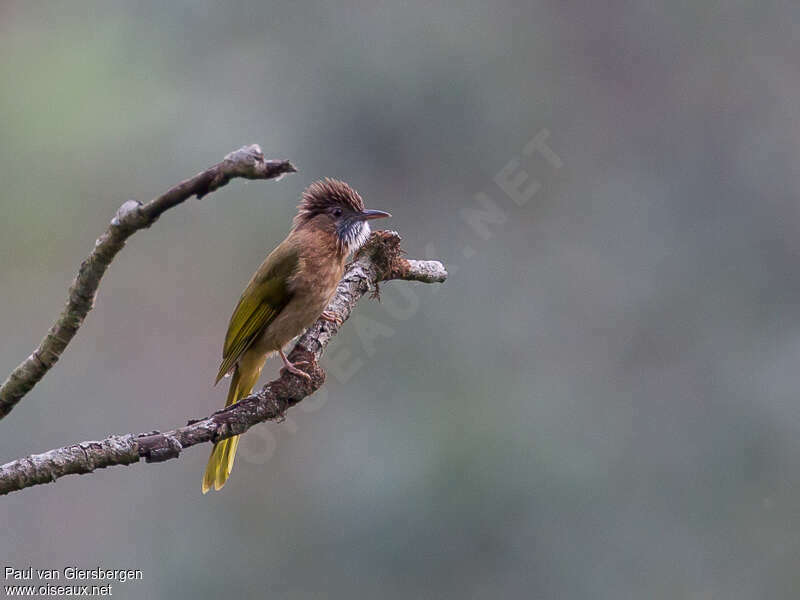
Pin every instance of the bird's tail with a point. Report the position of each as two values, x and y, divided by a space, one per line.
220 463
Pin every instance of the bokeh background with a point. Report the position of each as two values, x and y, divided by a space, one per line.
602 400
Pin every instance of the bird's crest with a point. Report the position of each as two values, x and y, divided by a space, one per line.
322 195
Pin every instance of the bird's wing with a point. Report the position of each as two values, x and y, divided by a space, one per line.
263 298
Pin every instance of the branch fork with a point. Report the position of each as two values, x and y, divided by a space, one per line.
380 259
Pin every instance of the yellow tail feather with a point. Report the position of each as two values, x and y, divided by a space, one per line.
220 463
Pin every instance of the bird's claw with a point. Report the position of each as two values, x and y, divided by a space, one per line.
295 371
331 318
292 368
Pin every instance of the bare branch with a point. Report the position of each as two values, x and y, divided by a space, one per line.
379 260
246 162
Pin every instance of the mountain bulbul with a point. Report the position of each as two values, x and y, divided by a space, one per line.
287 293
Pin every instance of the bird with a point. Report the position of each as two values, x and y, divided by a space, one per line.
287 294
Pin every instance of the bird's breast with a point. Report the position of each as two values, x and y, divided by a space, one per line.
312 288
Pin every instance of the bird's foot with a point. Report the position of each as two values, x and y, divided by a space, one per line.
332 317
292 368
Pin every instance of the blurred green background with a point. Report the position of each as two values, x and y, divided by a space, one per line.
601 402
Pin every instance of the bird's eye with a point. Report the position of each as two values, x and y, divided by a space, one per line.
337 212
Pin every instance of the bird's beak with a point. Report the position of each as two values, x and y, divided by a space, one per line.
368 215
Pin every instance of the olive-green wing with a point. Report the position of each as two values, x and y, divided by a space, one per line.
263 298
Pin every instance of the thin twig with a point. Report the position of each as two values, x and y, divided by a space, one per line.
246 162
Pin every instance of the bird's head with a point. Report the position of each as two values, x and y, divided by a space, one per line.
334 206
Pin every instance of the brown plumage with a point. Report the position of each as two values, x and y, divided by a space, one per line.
320 195
287 293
